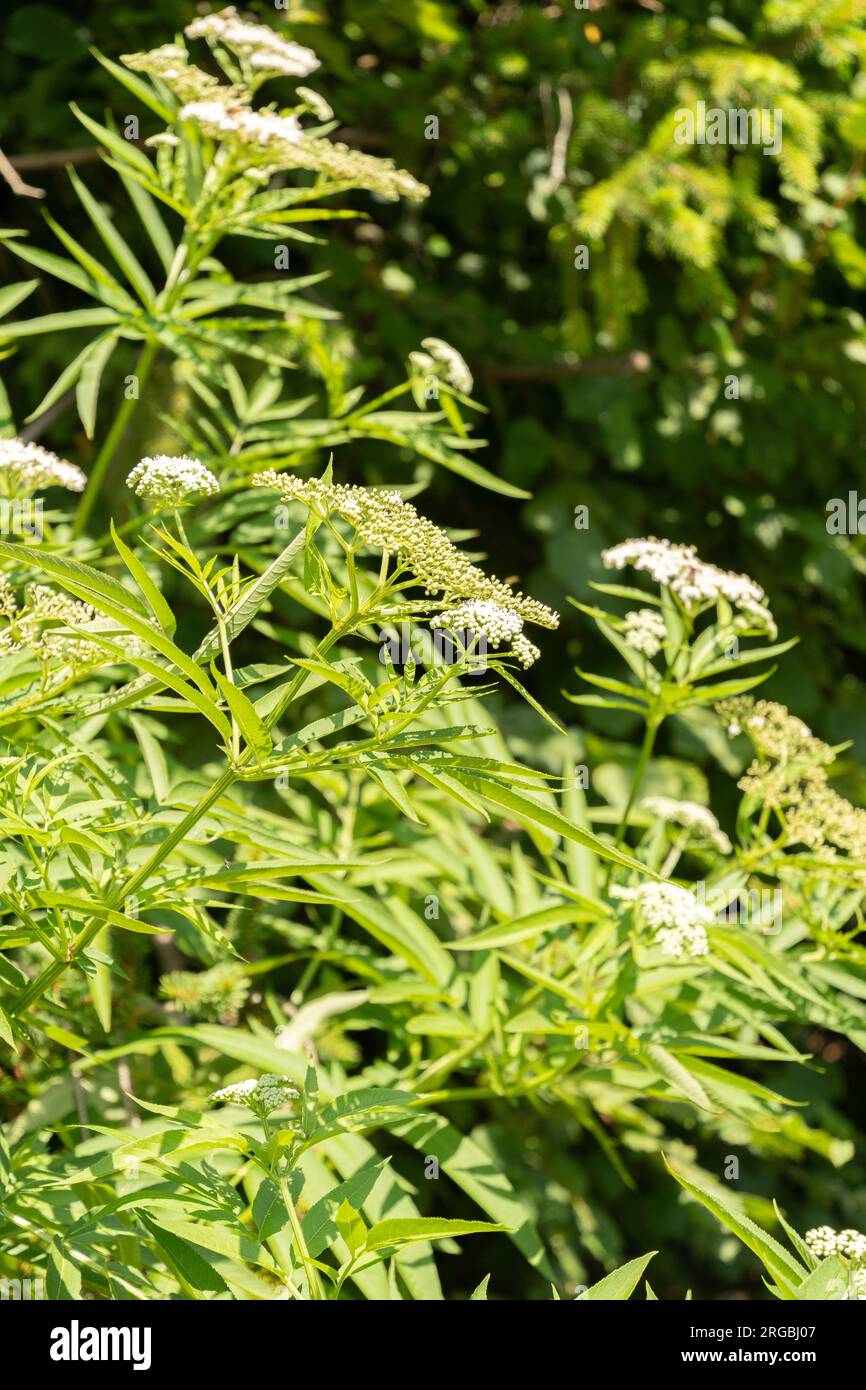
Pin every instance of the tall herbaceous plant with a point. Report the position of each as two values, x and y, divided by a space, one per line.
290 935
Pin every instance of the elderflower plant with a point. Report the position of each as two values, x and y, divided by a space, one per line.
214 774
678 642
793 820
227 166
694 583
46 625
423 555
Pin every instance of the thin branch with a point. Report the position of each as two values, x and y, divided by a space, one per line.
35 430
58 159
26 190
89 154
559 149
628 364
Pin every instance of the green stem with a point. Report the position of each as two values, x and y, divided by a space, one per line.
313 1280
113 439
384 399
227 666
674 855
649 738
53 972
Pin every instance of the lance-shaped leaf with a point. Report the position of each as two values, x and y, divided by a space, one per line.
119 249
533 813
244 711
787 1272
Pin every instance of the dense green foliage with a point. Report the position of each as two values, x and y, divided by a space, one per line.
246 831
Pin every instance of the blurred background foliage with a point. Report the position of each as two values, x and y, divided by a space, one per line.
670 336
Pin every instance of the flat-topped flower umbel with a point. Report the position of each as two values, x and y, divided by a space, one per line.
268 1093
482 623
675 916
172 480
258 44
28 468
691 816
256 127
694 581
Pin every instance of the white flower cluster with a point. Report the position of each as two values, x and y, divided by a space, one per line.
8 606
644 631
271 141
385 522
483 621
691 816
259 45
824 1241
170 480
442 357
56 645
269 1093
27 468
219 119
47 604
368 171
676 918
170 63
276 142
679 568
29 627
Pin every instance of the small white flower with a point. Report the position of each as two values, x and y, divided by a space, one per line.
171 480
27 468
482 622
213 116
260 45
289 59
693 580
268 1093
455 370
644 631
850 1244
384 521
691 816
237 1094
218 119
674 915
